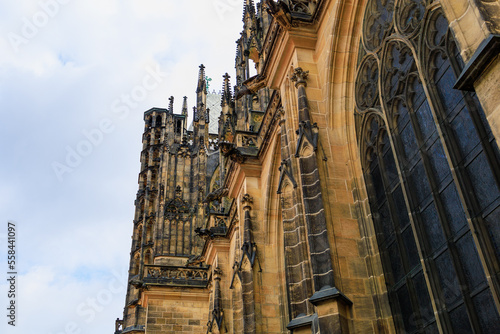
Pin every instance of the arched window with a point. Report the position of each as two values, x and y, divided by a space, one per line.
149 233
148 257
178 126
139 237
136 263
431 165
158 120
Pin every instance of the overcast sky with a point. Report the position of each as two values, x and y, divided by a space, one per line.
75 79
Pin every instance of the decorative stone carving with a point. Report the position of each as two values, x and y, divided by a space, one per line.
216 195
247 202
307 132
195 260
217 315
299 76
285 171
229 150
292 13
118 325
175 272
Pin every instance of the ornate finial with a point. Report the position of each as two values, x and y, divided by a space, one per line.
195 114
280 114
217 273
201 80
226 91
247 202
299 76
171 104
217 312
184 105
178 191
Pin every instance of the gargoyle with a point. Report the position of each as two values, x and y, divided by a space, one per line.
216 195
251 86
195 260
280 12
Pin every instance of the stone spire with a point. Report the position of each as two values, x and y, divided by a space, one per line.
185 106
202 86
201 94
171 105
249 8
226 91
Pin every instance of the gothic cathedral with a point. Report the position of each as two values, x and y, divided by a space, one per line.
352 185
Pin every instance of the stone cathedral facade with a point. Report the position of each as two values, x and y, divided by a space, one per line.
352 185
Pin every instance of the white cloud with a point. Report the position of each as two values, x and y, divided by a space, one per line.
74 236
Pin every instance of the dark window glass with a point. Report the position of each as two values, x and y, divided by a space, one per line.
389 163
453 209
449 97
431 329
433 229
409 143
465 133
425 120
438 162
473 270
420 183
450 286
396 264
407 312
378 185
424 301
460 321
402 213
411 248
483 183
386 222
448 176
493 225
488 315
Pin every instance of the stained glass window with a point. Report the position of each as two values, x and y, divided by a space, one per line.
432 172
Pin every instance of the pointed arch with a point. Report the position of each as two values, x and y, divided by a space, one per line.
139 236
274 224
135 265
420 149
342 133
148 257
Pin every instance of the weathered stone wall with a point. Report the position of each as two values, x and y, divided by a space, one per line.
176 313
273 291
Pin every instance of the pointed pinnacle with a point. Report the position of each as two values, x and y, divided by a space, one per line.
171 104
184 105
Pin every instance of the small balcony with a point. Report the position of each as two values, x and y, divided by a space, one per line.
176 276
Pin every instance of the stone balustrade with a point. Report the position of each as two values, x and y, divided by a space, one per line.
176 275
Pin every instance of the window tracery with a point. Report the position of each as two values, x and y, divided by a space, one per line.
431 166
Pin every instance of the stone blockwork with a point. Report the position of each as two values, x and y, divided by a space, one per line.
176 313
267 226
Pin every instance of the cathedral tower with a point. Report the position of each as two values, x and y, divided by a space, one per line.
169 203
352 185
